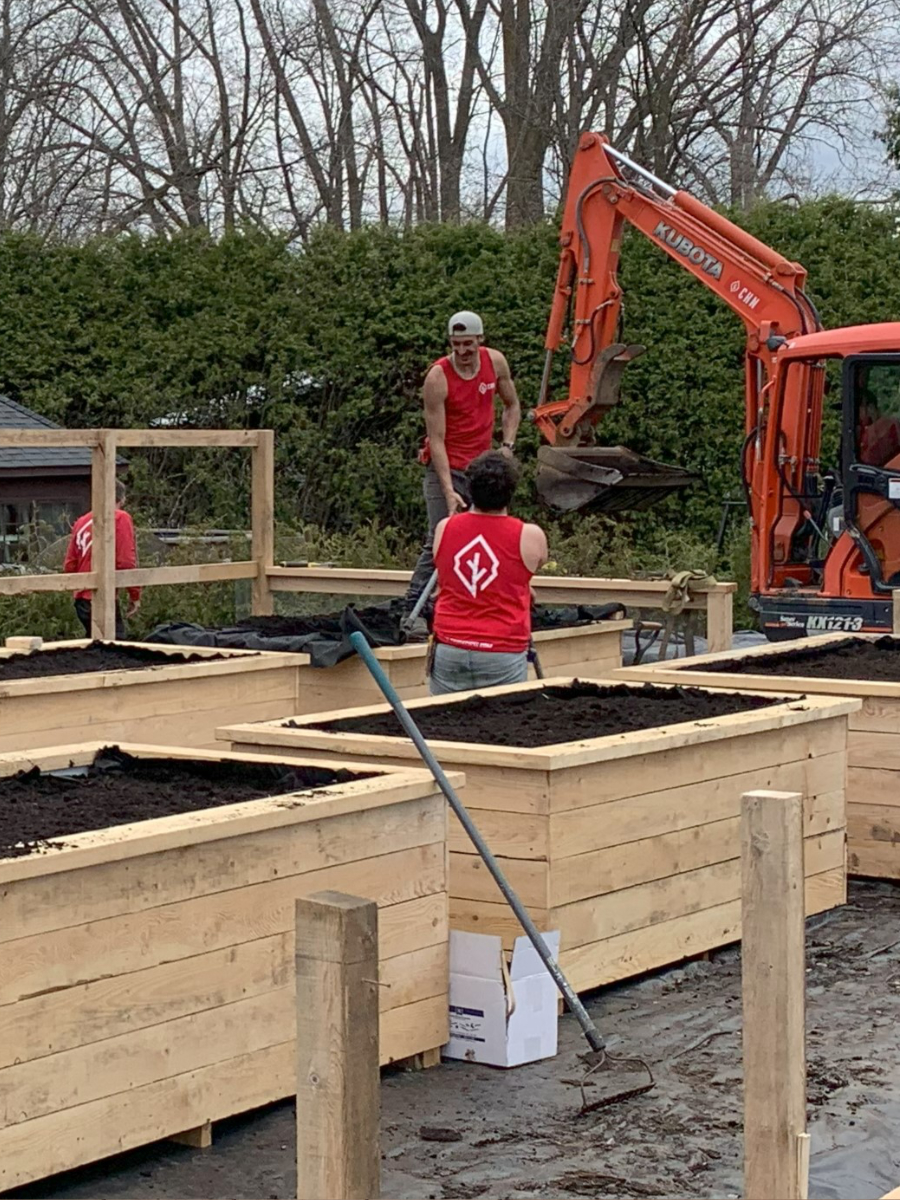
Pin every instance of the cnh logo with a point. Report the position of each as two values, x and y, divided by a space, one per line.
476 565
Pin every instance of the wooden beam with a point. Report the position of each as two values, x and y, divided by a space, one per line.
338 1084
191 573
895 612
24 585
262 504
774 999
719 621
549 589
199 1138
103 536
42 438
186 438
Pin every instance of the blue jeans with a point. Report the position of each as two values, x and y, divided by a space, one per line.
437 510
458 670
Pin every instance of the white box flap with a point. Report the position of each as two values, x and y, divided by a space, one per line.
477 955
525 959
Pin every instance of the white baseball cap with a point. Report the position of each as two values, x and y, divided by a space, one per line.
465 324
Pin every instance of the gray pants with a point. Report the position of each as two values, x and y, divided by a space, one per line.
458 670
437 510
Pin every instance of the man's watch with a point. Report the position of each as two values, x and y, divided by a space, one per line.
509 445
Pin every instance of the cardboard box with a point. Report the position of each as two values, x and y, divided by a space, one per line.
501 1014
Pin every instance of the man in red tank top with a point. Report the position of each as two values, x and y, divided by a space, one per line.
459 396
485 560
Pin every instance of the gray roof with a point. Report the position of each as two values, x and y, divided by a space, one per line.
24 458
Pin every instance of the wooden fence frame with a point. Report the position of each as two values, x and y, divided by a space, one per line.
103 579
716 599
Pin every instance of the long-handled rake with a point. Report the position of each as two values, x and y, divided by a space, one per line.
597 1056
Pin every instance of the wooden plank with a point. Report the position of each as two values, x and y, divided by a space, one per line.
773 981
880 860
262 508
103 536
189 573
470 879
116 1065
413 1028
880 713
719 621
198 1138
667 942
62 1140
44 438
509 835
874 823
614 868
338 1084
132 943
874 749
598 918
419 975
871 785
188 438
24 585
404 848
90 1012
584 787
634 817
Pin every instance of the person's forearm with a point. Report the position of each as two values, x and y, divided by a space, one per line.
512 418
441 464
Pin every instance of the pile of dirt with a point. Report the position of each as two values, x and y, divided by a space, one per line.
118 789
550 715
98 656
856 658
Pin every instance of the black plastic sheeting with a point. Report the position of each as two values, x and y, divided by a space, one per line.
326 637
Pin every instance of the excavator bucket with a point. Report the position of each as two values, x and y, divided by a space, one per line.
604 479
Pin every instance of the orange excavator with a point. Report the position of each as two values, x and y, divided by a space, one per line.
825 540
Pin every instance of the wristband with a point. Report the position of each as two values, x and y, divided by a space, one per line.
509 445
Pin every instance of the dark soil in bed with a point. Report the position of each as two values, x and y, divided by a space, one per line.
551 715
98 656
856 658
117 789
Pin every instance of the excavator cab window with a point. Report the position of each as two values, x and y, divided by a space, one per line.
871 462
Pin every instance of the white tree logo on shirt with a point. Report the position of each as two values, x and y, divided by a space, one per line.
476 565
84 537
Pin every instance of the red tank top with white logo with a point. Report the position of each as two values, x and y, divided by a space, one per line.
485 598
469 410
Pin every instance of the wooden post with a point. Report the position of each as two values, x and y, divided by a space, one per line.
338 1081
719 621
262 505
895 612
774 999
103 535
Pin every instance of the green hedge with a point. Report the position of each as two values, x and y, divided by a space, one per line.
328 345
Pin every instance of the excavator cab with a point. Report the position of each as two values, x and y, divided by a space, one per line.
871 463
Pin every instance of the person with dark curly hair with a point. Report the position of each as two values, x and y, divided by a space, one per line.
485 560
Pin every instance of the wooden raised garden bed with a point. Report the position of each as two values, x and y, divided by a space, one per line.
160 694
865 666
593 651
628 842
147 969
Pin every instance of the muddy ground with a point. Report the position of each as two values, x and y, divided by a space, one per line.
518 1133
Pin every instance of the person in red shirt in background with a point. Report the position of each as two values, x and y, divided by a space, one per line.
485 560
78 560
458 395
